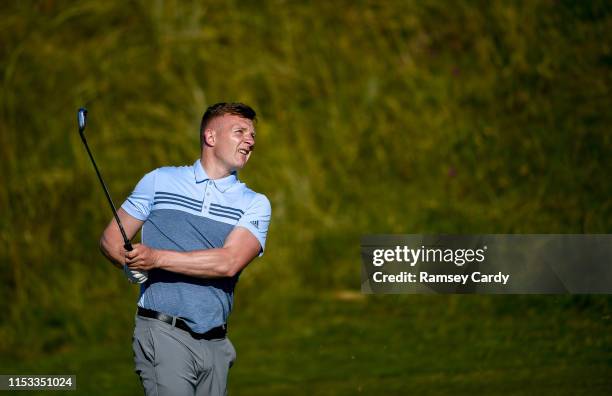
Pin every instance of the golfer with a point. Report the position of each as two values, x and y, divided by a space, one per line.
201 227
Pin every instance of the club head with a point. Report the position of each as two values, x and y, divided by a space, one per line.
82 119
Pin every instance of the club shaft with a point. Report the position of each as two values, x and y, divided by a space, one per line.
127 243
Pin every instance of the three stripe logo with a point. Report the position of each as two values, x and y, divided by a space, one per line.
225 211
162 197
255 223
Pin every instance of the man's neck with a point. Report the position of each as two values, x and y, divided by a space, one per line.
213 169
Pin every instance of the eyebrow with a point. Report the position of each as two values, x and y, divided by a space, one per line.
241 128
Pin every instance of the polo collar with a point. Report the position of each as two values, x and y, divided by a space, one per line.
221 184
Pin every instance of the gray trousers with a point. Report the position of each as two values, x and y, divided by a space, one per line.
170 362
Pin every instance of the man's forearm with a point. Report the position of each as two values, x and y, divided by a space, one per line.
209 263
111 241
239 249
112 254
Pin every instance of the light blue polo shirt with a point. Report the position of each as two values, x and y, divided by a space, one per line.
184 210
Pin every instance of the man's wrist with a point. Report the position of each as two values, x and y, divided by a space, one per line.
158 256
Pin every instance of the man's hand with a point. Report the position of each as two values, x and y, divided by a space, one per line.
141 258
135 276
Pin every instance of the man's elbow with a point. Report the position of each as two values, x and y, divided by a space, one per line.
231 265
230 269
105 248
236 259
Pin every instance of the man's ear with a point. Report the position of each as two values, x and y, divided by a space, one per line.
210 136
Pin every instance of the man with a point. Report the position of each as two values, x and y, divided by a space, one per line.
200 228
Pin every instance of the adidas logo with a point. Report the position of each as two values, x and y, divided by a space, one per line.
255 223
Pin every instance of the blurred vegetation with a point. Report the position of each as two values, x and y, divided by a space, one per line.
374 117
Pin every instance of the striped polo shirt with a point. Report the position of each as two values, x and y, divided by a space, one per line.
184 210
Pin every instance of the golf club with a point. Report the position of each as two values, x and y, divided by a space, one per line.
82 120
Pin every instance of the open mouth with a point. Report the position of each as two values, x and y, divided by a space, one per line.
244 151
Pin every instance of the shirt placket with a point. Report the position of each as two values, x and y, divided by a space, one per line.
206 201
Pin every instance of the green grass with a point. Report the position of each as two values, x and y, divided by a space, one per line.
347 343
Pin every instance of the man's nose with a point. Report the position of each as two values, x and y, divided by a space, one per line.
250 140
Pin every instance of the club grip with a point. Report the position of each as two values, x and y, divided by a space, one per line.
128 246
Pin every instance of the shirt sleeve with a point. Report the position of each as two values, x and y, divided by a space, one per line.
257 219
140 201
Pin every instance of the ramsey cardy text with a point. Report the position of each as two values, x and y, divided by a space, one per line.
424 277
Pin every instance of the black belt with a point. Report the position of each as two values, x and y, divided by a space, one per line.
214 333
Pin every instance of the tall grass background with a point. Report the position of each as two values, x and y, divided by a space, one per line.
374 117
